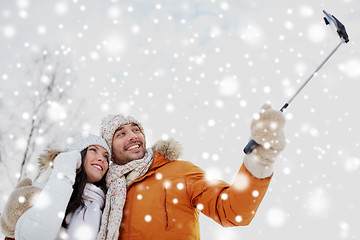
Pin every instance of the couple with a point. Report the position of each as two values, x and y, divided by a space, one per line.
150 194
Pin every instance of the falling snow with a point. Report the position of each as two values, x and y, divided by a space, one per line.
276 217
198 72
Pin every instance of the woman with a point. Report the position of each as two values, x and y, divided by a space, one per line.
70 203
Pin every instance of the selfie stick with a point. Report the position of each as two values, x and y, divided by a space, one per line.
341 31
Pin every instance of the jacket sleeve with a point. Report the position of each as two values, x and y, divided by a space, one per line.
228 205
43 220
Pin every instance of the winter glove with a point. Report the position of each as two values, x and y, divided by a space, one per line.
65 165
267 131
20 200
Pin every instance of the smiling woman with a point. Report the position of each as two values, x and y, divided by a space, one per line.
72 182
96 163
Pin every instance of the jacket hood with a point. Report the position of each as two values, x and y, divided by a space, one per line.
170 149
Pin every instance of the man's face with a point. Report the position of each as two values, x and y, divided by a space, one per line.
128 144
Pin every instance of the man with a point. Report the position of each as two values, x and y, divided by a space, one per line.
164 195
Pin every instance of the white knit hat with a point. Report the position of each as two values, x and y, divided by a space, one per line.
81 142
112 122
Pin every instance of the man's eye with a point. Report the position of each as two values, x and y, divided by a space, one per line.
120 134
93 149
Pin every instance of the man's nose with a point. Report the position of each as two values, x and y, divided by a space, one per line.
132 135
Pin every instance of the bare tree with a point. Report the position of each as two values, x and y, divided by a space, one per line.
47 79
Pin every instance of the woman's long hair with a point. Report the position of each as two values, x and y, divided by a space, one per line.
76 199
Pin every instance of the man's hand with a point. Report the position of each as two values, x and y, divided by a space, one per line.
267 129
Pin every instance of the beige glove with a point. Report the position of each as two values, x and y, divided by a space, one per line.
20 200
267 129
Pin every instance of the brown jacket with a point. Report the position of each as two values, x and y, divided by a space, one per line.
165 202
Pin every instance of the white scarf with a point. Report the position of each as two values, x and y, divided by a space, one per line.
117 180
85 222
94 193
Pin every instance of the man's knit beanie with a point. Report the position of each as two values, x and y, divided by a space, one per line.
112 122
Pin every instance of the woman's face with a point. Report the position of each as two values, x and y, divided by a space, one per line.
96 163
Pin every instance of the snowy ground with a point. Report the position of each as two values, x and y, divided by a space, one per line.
196 71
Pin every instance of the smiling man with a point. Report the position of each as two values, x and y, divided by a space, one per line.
125 150
153 195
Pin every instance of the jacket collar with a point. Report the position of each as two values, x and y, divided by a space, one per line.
159 161
165 151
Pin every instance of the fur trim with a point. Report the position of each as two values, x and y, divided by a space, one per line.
171 149
47 158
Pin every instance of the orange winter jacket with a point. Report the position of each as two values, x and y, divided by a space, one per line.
165 203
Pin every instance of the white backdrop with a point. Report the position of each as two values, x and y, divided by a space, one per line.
196 71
